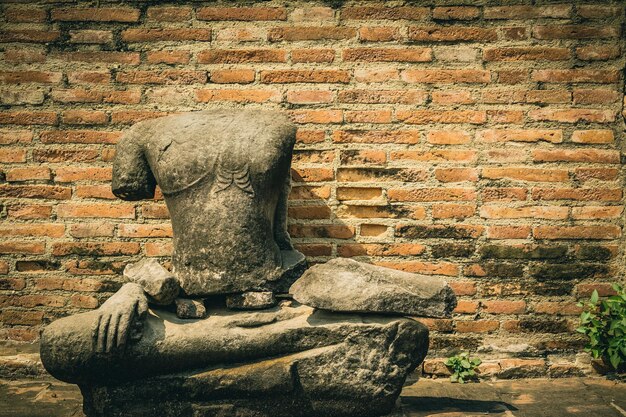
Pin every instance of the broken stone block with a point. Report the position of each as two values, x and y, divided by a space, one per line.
351 286
251 300
186 308
160 285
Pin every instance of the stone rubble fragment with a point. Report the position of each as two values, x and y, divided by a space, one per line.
251 300
160 285
187 308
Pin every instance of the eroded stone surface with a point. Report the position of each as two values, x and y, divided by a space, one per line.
225 176
348 285
187 308
158 283
251 300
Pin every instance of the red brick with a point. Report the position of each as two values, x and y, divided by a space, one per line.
593 136
414 54
312 174
28 173
12 155
10 137
84 117
307 192
22 55
96 14
236 56
373 230
526 174
451 33
168 57
367 116
383 96
362 156
445 76
162 77
577 194
503 307
19 77
456 174
28 118
28 212
443 155
508 232
314 249
573 115
438 116
432 194
17 247
428 268
238 96
537 212
448 137
597 52
518 135
32 229
309 212
96 210
456 13
29 36
604 289
597 212
376 75
452 97
18 14
241 13
379 34
601 174
577 155
322 231
161 34
575 32
312 55
70 174
466 307
597 96
384 13
89 77
598 11
531 53
528 12
564 308
232 76
317 116
453 211
310 136
577 232
134 116
302 14
79 136
576 76
94 191
95 248
21 317
358 193
100 229
169 14
376 249
144 230
376 136
310 33
477 326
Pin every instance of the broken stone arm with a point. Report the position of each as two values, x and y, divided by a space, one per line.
132 177
281 236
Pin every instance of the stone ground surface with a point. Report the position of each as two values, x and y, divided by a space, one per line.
591 397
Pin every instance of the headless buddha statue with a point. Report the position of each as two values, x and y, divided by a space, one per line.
225 177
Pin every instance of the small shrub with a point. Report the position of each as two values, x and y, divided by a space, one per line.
604 323
463 367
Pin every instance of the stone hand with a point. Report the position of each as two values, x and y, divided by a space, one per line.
120 318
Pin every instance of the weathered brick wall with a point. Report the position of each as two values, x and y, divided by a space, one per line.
481 143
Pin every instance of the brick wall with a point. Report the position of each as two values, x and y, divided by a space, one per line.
478 143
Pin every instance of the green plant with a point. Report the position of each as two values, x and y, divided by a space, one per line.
463 367
604 323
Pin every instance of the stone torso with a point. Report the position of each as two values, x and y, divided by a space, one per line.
225 178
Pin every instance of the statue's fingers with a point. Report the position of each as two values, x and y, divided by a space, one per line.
94 329
122 329
141 307
112 333
102 332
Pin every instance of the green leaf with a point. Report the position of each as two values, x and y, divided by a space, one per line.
594 296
